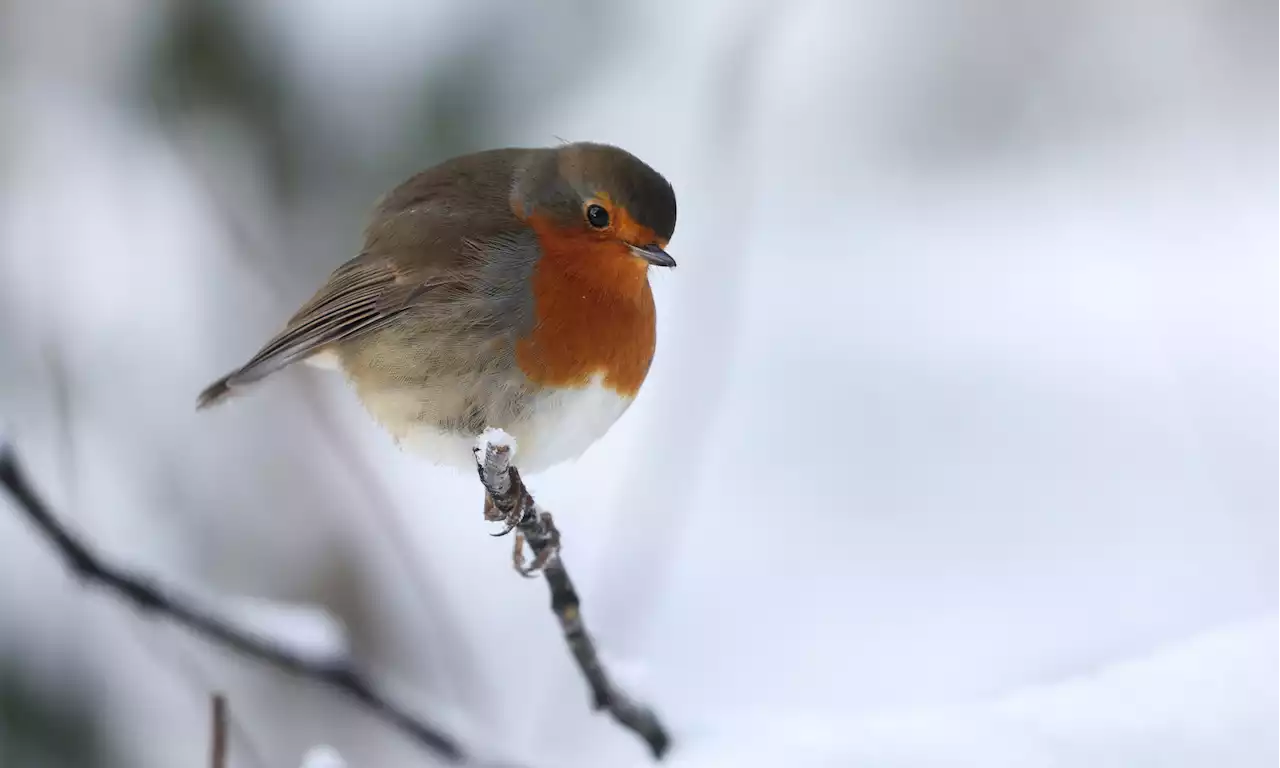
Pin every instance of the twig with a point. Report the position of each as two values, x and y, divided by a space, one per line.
218 746
150 596
181 663
511 499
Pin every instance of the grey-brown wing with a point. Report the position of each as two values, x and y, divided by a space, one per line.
361 296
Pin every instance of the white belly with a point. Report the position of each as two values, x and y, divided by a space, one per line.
560 426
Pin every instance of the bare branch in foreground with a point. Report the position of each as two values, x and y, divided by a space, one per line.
152 597
218 742
508 499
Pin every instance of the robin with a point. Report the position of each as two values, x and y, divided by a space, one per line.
507 288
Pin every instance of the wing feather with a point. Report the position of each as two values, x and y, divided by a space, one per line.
359 298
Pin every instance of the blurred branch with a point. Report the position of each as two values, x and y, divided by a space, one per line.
508 499
181 663
150 596
218 741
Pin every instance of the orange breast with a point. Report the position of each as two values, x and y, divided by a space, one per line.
594 310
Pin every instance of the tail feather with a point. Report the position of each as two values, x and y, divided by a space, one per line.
214 393
233 382
256 370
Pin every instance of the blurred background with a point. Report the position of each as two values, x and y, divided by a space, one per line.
960 446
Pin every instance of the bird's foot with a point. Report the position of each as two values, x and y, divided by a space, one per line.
536 527
546 548
511 517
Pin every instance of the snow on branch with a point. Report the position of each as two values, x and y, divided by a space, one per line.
337 672
508 500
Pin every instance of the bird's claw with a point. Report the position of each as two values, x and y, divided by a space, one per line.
546 535
542 555
495 515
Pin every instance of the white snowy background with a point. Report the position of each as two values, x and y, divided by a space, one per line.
960 447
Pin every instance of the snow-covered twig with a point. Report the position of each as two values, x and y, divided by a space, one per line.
508 499
150 596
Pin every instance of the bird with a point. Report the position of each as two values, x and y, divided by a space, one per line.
507 288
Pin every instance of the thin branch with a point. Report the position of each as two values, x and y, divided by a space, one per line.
150 596
179 661
510 499
218 743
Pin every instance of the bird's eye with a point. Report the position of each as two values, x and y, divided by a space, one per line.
597 216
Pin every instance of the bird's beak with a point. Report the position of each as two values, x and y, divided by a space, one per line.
654 255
